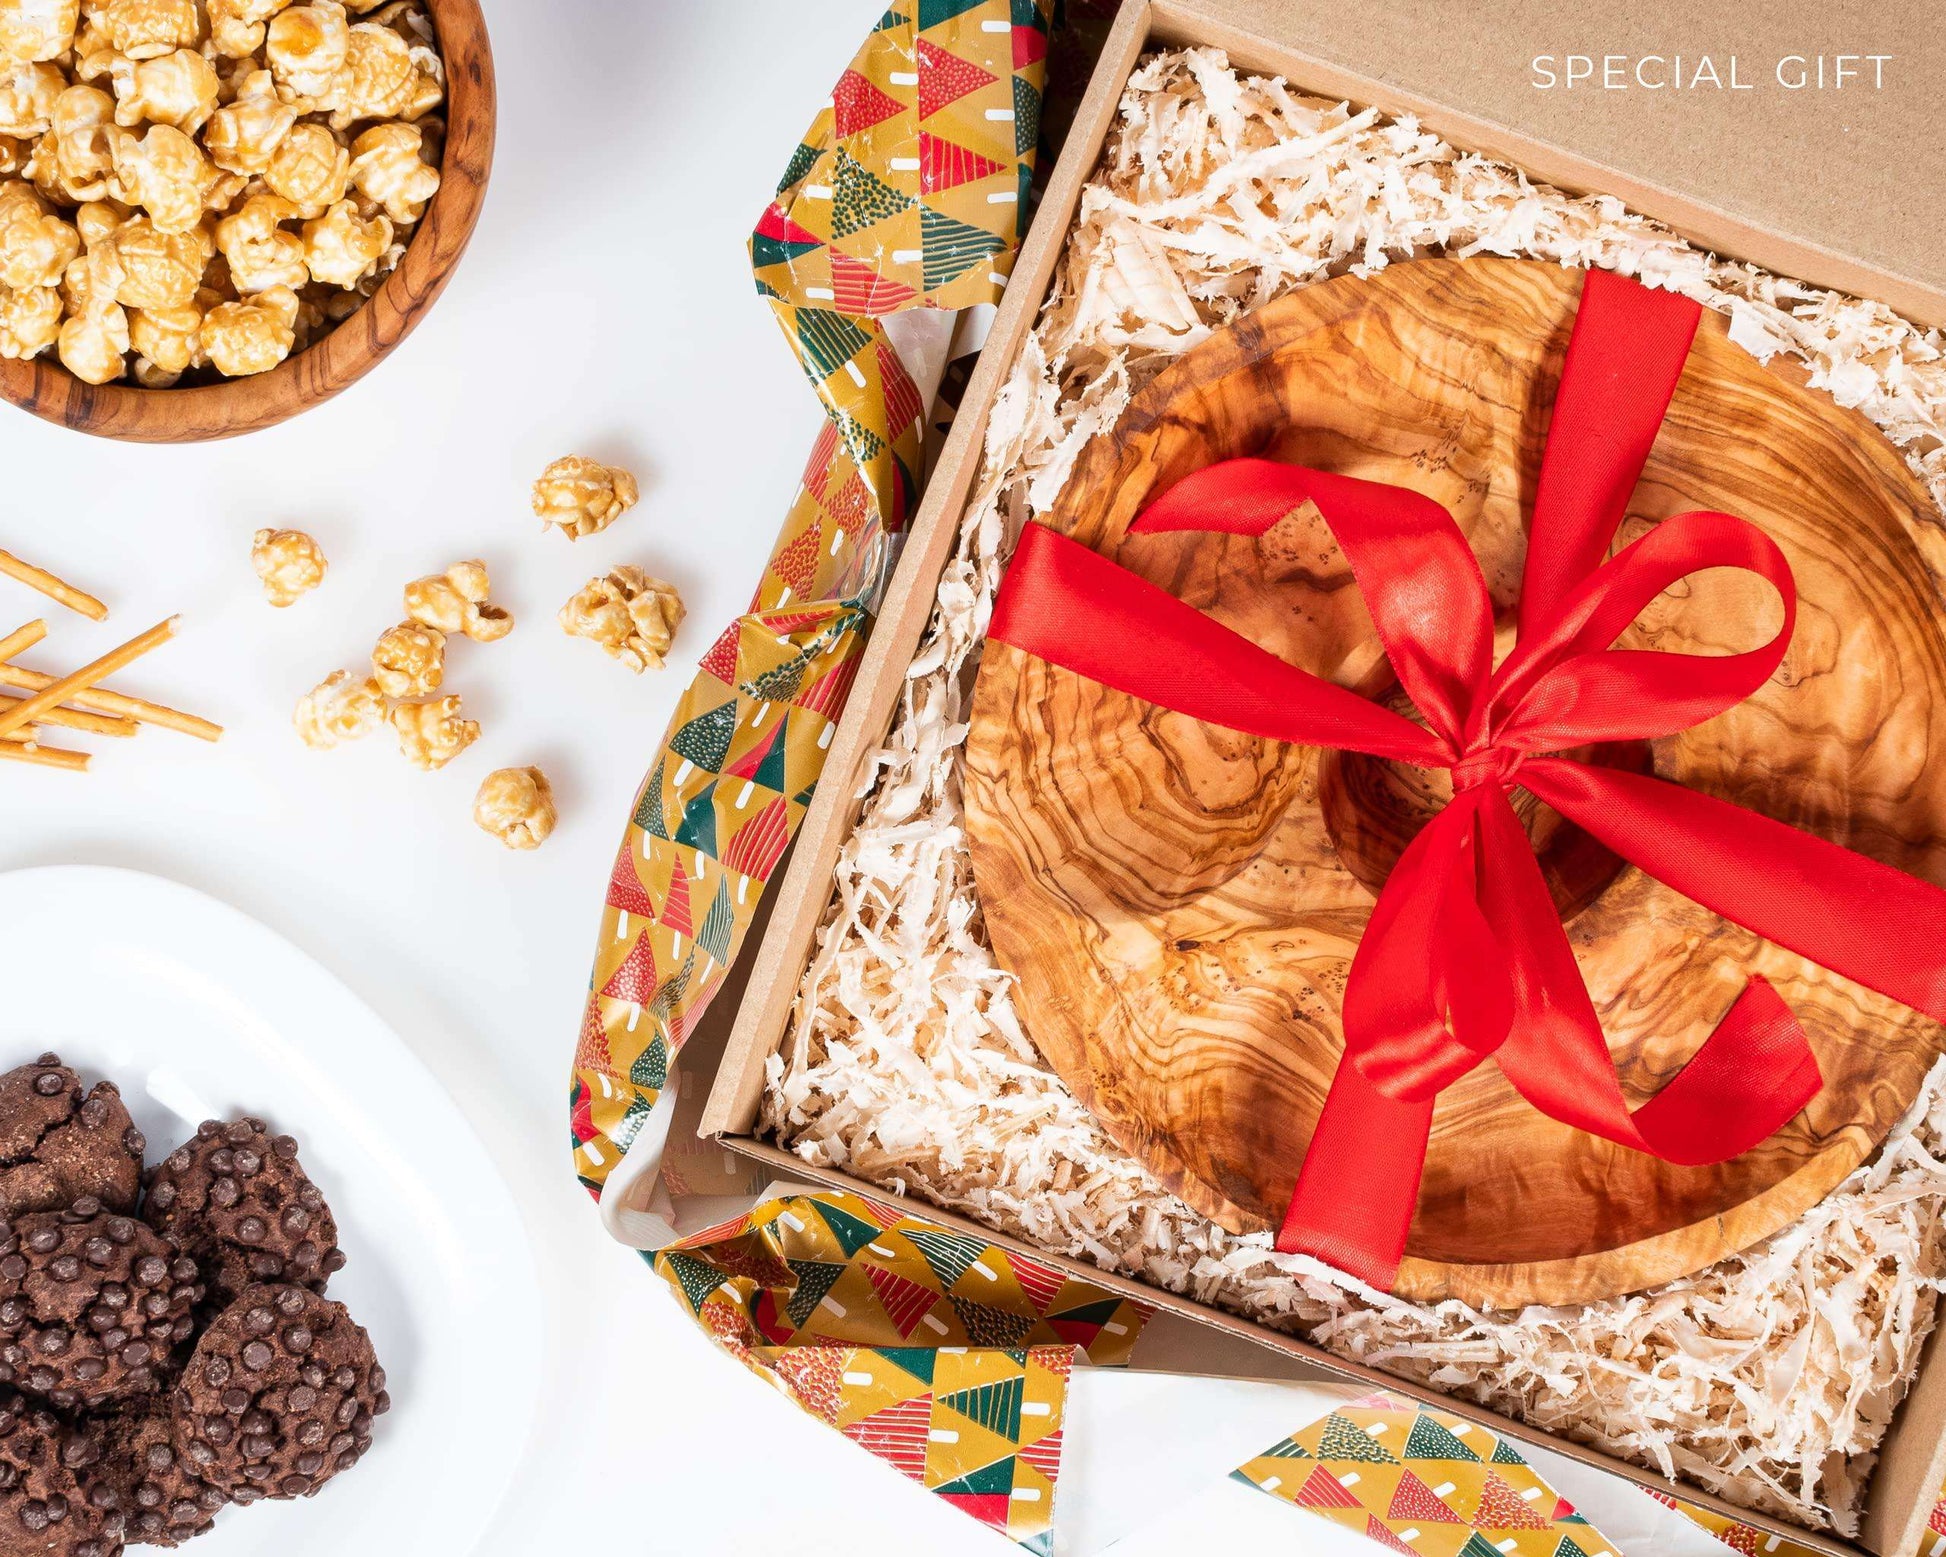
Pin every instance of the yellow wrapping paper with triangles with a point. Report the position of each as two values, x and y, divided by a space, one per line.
942 1355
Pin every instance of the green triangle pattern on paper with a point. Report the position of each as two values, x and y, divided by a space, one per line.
1478 1545
705 740
1432 1440
1504 1453
779 684
1027 116
861 199
852 1232
827 341
696 1279
990 1326
698 829
1288 1449
648 812
1568 1548
952 247
814 1279
802 161
713 935
995 1406
1344 1439
890 20
651 1067
949 1254
990 1480
916 1360
931 14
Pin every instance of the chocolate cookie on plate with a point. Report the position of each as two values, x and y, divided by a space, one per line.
140 1479
279 1395
238 1200
43 1510
91 1307
59 1143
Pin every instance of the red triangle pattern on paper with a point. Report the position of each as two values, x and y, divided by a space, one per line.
721 661
1044 1454
852 506
634 980
858 289
902 406
945 164
945 78
897 1435
990 1508
1501 1508
776 224
817 469
1414 1500
592 1052
1374 1531
1037 1281
625 889
1937 1524
1324 1490
857 105
905 1302
797 563
675 907
1030 47
827 695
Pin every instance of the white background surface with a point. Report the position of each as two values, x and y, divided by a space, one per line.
605 307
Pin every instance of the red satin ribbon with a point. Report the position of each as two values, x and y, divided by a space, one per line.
1465 956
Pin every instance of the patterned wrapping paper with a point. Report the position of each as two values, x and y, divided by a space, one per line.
937 1352
943 1356
908 191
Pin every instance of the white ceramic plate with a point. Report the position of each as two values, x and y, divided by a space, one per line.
197 1012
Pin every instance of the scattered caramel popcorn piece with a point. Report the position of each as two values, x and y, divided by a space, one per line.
341 248
35 30
290 563
583 496
631 615
251 337
158 269
244 134
432 734
145 29
180 89
339 708
456 602
259 252
409 660
30 321
516 805
27 97
306 47
388 166
36 246
309 169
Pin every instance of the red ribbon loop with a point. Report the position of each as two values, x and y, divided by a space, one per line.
1464 956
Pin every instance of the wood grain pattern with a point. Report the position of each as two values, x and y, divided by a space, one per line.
199 413
1181 903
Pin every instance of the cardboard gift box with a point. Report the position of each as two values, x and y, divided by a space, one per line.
1735 200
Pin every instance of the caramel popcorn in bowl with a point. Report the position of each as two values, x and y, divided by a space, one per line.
296 139
583 496
290 563
516 805
631 615
341 707
432 734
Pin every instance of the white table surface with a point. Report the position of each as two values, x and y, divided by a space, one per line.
605 307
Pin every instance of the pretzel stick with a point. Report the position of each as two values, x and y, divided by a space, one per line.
26 735
74 719
103 701
21 639
57 589
46 756
52 696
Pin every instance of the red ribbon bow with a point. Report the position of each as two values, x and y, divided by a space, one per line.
1465 956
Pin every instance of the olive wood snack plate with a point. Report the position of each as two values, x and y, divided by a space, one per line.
1181 903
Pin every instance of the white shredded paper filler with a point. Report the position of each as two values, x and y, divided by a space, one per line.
1769 1378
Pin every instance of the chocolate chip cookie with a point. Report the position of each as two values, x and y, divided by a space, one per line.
59 1143
91 1307
279 1395
139 1478
43 1510
239 1202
